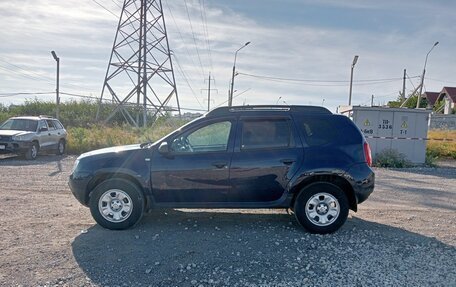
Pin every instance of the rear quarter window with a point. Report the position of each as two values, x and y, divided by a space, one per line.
326 130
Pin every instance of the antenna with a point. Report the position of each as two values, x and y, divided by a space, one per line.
140 77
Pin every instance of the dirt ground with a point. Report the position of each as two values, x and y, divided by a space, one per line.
403 235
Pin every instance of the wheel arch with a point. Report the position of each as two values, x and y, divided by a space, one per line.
337 180
100 178
37 142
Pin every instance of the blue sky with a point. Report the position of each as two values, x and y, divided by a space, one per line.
306 40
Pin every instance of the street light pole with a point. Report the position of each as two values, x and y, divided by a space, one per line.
355 59
422 76
57 99
230 97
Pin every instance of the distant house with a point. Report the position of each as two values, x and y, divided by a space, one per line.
449 95
431 98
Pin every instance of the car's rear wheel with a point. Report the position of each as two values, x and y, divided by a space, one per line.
321 207
32 152
117 204
61 147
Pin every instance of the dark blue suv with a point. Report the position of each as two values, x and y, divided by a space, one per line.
300 157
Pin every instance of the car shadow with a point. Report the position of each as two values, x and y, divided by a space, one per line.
226 248
16 160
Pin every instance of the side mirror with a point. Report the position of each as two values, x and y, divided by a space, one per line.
163 148
43 129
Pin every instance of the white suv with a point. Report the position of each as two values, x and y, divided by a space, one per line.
29 135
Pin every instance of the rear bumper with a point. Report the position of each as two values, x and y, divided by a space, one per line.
362 178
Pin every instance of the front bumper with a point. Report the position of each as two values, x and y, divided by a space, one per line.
78 185
14 147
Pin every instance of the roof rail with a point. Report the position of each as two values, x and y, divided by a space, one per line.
269 108
45 116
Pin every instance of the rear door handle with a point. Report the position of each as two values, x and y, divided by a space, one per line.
287 161
219 164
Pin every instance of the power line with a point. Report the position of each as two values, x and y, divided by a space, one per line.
105 8
442 81
410 81
193 36
206 31
20 71
186 80
5 95
181 36
322 81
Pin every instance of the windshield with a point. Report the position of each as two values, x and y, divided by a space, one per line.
20 125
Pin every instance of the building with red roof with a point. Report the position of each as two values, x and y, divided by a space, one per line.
449 95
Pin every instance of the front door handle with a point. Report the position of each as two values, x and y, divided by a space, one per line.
287 161
219 164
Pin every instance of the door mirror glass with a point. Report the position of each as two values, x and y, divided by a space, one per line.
43 129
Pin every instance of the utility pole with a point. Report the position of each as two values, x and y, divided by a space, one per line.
355 59
372 101
230 97
403 86
209 92
57 96
422 77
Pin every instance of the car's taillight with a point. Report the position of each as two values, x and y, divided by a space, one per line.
367 153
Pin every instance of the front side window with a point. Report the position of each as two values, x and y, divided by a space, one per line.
259 134
42 124
210 138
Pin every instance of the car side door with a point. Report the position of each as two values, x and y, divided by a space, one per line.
267 155
44 136
195 169
53 134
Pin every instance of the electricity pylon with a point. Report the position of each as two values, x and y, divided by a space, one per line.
140 65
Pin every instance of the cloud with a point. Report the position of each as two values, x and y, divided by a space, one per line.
82 33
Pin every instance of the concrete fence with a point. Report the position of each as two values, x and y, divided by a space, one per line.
447 122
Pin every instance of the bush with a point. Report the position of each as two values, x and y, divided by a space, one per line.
391 158
81 139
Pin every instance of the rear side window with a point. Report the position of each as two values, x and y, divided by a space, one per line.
270 133
50 125
57 125
319 131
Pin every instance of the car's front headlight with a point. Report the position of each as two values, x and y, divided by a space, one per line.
76 162
18 138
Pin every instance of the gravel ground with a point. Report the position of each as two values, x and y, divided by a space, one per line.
404 235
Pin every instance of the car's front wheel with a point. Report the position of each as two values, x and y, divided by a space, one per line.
117 204
321 207
32 152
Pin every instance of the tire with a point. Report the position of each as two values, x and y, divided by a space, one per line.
321 207
117 204
61 147
32 152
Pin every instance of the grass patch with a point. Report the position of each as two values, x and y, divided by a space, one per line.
441 149
391 158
